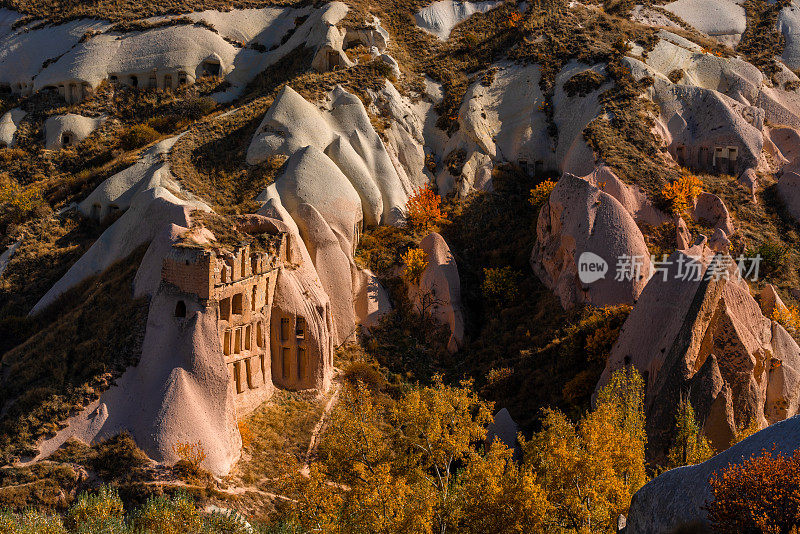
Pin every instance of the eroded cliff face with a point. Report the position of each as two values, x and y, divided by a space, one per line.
352 159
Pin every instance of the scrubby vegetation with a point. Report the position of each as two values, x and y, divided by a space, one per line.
761 494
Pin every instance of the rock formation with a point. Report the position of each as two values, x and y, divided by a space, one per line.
697 333
581 221
439 290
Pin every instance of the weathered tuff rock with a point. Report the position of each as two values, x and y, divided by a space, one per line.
580 218
676 497
706 340
440 289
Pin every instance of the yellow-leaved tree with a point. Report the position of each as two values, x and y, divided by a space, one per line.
591 470
689 446
416 462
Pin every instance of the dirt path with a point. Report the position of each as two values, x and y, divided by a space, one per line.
318 429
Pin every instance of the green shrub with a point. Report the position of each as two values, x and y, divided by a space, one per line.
138 136
774 256
500 286
168 516
30 522
100 512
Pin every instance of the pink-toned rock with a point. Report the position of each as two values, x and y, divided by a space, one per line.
178 393
770 301
297 294
581 221
709 338
372 301
711 210
719 242
630 196
440 289
683 236
787 140
749 179
789 191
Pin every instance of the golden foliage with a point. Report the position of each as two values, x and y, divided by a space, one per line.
689 446
423 208
414 264
681 193
500 286
389 465
591 470
192 453
788 317
745 432
762 494
541 193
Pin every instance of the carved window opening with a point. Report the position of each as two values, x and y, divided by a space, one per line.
286 354
286 325
253 300
225 308
301 363
260 334
237 377
226 343
247 335
180 309
236 304
249 371
300 329
237 343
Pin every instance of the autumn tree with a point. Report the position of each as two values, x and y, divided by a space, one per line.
689 445
760 495
417 463
414 264
423 208
590 470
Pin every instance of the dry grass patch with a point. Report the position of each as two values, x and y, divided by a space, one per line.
80 344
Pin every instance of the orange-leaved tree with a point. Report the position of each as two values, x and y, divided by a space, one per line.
681 193
424 208
760 495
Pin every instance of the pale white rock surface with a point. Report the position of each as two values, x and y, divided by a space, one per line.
722 19
441 17
9 123
178 393
439 290
789 26
344 133
70 129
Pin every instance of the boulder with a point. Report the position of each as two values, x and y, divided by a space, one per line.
372 301
439 289
789 192
749 179
719 242
9 123
711 210
503 429
581 226
677 498
770 301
